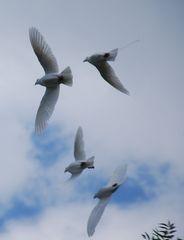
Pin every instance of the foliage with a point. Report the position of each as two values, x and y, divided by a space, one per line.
165 231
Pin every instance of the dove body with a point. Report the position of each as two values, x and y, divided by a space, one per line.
100 61
81 161
78 166
51 80
54 79
104 196
106 191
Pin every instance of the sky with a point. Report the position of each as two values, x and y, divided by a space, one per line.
144 130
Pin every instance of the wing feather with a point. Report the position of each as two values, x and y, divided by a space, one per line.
96 215
109 75
46 108
43 51
79 152
119 175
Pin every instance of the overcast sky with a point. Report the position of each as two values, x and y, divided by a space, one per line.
144 129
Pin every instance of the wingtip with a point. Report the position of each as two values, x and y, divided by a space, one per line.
39 128
32 30
79 130
125 91
38 131
90 232
79 127
90 235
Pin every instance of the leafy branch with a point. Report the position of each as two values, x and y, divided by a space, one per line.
165 231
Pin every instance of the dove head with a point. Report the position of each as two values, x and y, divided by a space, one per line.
37 82
40 81
86 59
95 58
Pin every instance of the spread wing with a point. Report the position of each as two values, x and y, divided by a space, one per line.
46 108
79 152
109 75
43 51
119 175
96 215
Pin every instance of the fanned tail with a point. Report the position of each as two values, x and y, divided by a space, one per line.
111 56
90 162
66 77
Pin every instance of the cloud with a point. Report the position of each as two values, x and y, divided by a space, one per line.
145 130
69 221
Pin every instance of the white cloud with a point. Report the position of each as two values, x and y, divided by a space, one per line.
146 127
69 221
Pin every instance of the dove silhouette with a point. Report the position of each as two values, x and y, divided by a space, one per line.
100 61
51 80
81 163
104 196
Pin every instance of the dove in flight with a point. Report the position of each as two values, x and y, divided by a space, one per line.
51 80
100 61
104 196
81 163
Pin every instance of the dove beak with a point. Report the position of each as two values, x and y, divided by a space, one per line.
85 60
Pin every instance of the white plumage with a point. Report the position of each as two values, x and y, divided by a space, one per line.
81 163
104 195
51 80
100 61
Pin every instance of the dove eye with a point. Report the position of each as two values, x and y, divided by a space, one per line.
83 164
114 185
106 55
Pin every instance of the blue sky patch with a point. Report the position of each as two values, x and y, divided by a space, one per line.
51 146
19 210
130 193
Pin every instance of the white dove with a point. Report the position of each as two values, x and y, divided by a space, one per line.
100 61
81 163
104 195
51 80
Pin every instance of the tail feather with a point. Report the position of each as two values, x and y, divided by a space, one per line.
91 162
111 56
66 77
